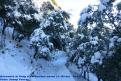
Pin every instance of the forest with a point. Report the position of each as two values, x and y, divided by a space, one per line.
44 38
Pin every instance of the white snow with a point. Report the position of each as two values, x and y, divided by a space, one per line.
111 45
81 35
81 47
46 23
92 77
38 3
38 35
97 58
119 40
48 69
9 31
81 61
17 14
112 40
28 17
94 40
101 7
37 16
9 65
104 1
16 61
60 58
44 49
84 17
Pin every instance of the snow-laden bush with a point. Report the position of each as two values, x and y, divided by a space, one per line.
40 42
53 34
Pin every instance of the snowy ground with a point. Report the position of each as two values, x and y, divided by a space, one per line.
16 61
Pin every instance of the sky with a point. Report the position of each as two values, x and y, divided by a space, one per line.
74 7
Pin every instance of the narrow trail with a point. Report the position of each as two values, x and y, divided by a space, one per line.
17 61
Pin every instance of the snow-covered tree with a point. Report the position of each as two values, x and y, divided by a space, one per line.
96 38
54 30
20 14
109 70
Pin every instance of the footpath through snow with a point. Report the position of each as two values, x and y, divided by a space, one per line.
16 61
